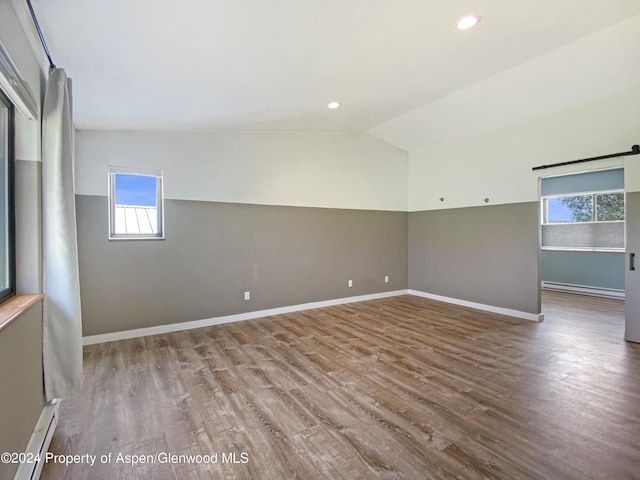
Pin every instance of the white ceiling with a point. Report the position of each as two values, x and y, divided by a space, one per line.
403 73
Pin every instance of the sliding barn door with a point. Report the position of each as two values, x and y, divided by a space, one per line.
632 278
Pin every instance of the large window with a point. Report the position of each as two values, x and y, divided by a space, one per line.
7 250
135 204
584 221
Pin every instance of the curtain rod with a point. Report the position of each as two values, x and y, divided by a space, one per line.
635 150
37 25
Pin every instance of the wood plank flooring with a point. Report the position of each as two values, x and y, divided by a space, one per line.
399 388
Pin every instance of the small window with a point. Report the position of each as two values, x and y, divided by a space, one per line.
7 243
135 204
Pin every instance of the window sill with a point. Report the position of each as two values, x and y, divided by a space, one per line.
585 249
593 222
136 237
15 307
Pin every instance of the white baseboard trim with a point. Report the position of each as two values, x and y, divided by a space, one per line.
39 443
535 317
584 290
207 322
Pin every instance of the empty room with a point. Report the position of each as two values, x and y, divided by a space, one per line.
353 239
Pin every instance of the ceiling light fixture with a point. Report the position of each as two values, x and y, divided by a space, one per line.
333 105
467 22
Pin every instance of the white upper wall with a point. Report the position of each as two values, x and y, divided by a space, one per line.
344 170
497 165
334 170
632 174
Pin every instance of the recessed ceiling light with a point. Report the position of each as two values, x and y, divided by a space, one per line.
333 105
467 22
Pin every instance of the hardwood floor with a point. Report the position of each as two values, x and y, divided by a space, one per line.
396 388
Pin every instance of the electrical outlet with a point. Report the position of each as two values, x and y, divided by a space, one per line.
386 279
247 295
350 283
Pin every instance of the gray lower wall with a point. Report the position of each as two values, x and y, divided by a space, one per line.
213 252
591 269
487 254
21 392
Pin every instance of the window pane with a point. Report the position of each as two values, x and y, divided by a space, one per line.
136 190
136 203
570 209
609 207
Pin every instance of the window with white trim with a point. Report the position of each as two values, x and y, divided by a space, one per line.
584 221
135 204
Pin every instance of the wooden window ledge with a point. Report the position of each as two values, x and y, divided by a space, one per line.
16 306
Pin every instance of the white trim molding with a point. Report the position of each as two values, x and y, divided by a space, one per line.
15 87
535 317
207 322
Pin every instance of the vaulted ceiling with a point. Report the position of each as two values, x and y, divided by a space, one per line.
400 68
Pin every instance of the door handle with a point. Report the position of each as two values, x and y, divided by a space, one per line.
632 261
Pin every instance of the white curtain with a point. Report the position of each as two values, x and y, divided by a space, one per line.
62 325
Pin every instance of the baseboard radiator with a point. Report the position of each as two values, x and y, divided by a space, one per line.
584 290
39 443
